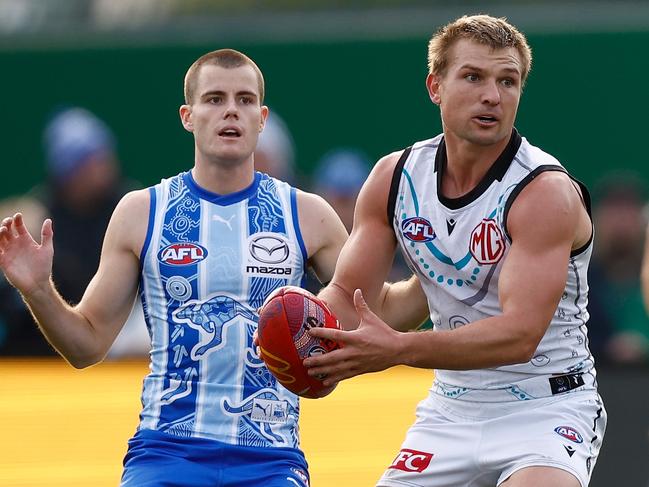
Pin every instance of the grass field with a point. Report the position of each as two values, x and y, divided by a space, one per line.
64 427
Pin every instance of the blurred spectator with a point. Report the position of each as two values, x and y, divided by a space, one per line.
275 152
619 326
83 187
338 178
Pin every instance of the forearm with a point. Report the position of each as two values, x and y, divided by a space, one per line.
341 303
67 330
491 342
402 305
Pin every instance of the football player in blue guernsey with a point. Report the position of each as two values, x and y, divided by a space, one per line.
500 237
203 249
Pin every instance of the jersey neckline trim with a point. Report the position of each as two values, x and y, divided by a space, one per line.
219 199
495 172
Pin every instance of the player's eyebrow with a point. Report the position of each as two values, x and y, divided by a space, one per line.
511 70
470 67
507 69
223 93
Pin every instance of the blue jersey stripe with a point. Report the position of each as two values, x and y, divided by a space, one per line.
209 263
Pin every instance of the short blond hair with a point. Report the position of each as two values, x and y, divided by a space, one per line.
225 58
494 32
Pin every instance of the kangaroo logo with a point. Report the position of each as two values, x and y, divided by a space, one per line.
209 318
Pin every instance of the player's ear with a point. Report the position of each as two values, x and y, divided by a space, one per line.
186 117
432 85
264 117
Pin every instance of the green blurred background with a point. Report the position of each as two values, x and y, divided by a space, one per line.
585 101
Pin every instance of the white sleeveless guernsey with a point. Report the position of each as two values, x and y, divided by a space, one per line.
457 248
208 263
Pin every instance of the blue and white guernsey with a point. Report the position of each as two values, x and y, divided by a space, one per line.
208 263
457 248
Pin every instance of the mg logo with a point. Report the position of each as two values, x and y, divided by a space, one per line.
487 244
412 461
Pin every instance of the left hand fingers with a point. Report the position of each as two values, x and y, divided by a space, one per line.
334 366
332 374
339 336
328 359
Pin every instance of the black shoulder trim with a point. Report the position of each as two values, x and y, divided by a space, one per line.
585 198
521 186
394 185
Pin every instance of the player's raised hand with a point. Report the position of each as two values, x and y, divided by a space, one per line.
26 263
372 347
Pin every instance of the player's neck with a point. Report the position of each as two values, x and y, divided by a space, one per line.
223 178
467 165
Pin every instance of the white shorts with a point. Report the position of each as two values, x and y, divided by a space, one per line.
460 443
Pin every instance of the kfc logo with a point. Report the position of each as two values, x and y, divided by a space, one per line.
487 244
412 461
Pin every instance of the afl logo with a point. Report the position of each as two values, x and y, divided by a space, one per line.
184 253
569 433
487 244
269 249
417 229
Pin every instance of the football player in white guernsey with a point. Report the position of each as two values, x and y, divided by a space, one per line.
500 238
203 249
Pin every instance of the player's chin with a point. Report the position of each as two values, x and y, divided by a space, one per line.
487 136
232 153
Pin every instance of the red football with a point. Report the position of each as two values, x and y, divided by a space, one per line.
284 341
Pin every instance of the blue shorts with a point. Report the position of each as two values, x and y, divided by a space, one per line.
157 459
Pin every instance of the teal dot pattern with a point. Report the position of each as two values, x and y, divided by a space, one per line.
519 393
449 391
442 279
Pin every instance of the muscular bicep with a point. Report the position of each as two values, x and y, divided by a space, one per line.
544 223
323 232
110 295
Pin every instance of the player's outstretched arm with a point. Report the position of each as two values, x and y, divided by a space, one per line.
81 334
528 299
